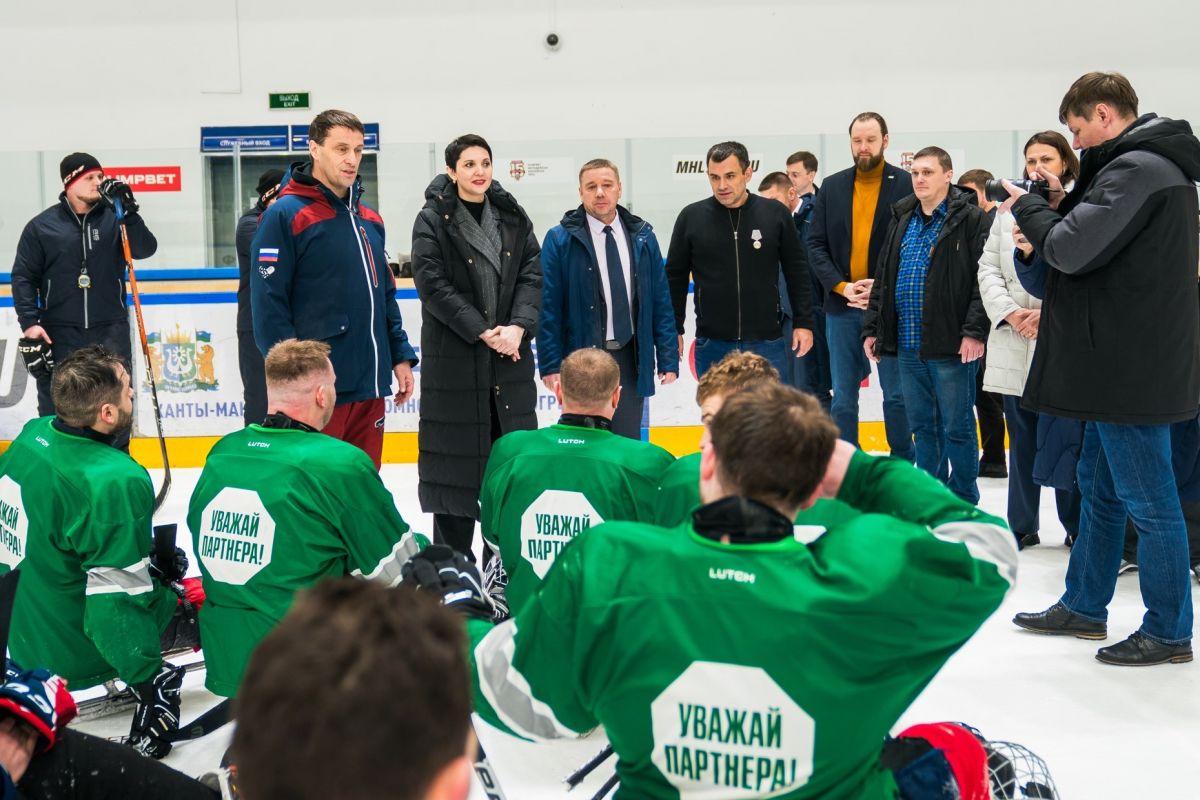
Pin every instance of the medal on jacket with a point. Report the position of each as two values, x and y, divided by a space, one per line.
756 235
85 281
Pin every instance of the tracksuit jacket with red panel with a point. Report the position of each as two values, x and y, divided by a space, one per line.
318 271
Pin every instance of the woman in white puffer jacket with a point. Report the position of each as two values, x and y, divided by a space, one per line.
1015 315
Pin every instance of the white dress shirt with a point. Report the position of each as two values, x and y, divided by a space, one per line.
599 242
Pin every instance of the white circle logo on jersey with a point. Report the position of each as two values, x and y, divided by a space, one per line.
729 731
550 523
237 536
14 527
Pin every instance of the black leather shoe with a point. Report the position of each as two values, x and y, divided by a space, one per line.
1028 540
993 469
1140 650
1057 620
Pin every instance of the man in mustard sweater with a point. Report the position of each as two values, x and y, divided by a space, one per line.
850 217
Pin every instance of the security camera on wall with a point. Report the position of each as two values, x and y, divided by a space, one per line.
553 42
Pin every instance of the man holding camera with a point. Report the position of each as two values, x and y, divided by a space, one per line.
1119 347
68 279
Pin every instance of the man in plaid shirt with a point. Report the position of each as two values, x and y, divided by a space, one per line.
926 310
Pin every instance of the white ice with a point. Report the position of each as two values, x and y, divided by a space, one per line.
1105 732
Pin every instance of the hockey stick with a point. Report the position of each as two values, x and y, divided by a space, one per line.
141 323
204 724
577 777
487 775
608 786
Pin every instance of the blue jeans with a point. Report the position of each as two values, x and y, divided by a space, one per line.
848 366
939 395
710 351
1126 470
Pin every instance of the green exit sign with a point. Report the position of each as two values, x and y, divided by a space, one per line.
289 100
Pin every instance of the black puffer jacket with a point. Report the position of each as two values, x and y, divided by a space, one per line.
1119 338
460 375
953 308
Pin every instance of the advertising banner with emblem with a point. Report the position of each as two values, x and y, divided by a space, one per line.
193 355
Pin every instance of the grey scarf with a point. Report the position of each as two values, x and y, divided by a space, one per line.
485 240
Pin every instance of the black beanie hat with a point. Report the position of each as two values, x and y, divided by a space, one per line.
268 182
75 166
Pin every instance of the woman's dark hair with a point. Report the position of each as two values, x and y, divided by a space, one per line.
456 147
1058 142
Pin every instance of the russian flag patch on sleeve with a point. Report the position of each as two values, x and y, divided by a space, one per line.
268 254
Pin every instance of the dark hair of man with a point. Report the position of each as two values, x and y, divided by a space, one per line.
1058 142
943 158
353 672
1111 88
83 382
454 150
589 377
735 372
975 178
803 157
779 181
326 121
773 444
867 116
293 359
600 163
719 152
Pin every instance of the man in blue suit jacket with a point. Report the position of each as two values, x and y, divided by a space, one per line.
603 285
849 219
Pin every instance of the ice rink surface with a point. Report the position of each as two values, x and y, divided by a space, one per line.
1105 732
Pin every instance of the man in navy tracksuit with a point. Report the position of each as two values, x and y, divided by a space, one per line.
319 272
68 278
621 304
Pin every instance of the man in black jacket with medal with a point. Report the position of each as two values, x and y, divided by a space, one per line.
733 246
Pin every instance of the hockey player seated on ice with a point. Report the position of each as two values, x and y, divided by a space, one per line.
542 488
679 489
730 659
360 693
279 506
75 516
42 759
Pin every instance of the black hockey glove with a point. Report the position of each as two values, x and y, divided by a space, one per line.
157 712
38 357
172 571
447 573
114 191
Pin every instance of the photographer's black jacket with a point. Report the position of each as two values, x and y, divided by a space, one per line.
1119 338
953 308
51 253
737 286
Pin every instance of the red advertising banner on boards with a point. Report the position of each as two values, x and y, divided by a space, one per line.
147 179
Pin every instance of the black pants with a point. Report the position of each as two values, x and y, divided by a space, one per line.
68 338
1025 496
254 381
627 421
989 407
459 532
83 767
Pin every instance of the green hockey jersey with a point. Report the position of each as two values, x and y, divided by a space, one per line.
679 496
275 511
75 516
751 670
542 488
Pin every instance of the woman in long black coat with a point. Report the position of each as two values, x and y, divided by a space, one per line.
476 268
